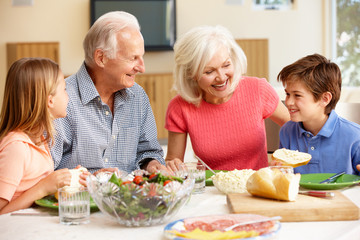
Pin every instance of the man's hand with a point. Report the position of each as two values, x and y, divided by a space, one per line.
115 169
84 175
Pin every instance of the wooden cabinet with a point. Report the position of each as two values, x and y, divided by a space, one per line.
158 88
257 54
19 50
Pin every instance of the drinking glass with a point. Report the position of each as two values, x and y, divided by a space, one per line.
196 170
74 206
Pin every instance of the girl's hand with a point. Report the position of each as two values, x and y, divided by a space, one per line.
46 186
54 181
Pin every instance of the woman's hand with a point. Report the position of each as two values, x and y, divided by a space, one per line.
174 164
155 166
175 150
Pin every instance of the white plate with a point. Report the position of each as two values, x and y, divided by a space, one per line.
179 225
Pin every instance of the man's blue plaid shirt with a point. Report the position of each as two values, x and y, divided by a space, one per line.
91 136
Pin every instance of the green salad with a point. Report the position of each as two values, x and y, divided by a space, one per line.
146 197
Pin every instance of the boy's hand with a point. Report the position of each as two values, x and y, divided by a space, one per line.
275 163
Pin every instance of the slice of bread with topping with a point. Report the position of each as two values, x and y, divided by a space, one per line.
292 158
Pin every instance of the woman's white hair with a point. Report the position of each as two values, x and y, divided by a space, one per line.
102 34
194 50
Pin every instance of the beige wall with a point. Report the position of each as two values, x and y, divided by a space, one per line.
292 34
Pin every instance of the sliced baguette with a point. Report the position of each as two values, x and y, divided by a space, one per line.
274 184
292 158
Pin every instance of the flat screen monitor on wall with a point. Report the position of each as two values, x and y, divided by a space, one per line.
157 19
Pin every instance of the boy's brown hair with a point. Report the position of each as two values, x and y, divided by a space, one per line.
319 75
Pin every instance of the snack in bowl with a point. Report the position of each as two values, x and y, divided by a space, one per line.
74 184
140 198
232 181
292 158
273 183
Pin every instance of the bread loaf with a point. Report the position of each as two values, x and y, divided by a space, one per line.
74 184
291 158
75 177
274 184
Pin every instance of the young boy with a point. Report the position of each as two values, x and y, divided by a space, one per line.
313 86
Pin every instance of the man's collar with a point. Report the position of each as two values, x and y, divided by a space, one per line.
88 91
87 88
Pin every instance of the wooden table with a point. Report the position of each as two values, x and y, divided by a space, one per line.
211 202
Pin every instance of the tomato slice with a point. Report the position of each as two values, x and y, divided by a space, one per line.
138 179
166 182
152 176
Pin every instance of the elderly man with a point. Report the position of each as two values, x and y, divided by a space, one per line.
109 123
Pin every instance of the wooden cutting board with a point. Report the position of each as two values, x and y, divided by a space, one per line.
305 208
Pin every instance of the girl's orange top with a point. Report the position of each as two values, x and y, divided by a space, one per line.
22 164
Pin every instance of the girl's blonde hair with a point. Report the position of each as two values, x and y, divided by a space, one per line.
194 50
29 82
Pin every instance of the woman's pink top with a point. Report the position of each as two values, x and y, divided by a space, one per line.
22 164
231 135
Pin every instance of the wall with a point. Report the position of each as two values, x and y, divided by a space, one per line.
292 34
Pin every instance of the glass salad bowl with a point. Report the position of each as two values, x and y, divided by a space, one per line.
139 199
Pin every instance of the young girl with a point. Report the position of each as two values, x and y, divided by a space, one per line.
313 86
34 96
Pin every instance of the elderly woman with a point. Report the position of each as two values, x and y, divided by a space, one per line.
222 111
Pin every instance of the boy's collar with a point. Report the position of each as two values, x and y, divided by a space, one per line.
328 127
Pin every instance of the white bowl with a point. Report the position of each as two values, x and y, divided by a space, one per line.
232 181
